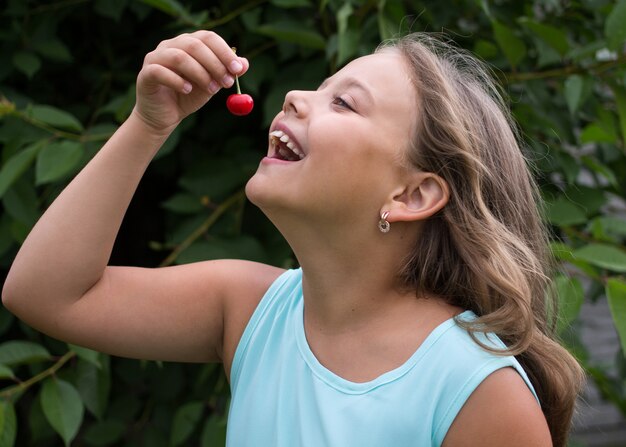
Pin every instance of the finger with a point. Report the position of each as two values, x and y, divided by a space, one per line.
153 76
204 55
246 65
222 50
187 66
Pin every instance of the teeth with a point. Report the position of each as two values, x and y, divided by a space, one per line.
283 137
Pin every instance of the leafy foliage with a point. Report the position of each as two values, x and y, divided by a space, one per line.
67 72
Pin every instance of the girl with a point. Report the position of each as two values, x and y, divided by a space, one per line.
418 316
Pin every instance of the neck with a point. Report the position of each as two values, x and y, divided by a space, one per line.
350 275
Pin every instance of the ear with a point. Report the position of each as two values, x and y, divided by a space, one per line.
421 196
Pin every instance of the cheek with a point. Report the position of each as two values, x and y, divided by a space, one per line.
359 174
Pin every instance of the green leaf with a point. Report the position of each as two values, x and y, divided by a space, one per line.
17 352
484 4
591 200
185 421
553 36
213 433
293 32
55 117
17 165
94 385
8 424
614 28
387 27
62 407
290 3
485 49
546 55
601 169
21 203
6 373
88 355
513 47
571 297
171 7
56 160
26 62
6 242
594 132
6 318
121 106
603 255
110 8
561 251
574 92
563 212
348 38
104 433
170 144
616 295
215 179
53 49
41 433
241 247
183 204
620 99
608 228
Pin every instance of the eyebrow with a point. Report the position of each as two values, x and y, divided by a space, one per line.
351 82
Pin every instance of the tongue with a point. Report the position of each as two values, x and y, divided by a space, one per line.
287 154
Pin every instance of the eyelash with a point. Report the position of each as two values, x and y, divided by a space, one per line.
338 100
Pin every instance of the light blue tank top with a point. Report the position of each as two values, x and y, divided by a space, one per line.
282 396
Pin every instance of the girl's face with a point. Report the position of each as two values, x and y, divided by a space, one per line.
342 148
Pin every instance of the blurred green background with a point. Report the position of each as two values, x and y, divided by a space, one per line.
67 73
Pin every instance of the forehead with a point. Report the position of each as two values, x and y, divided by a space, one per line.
385 75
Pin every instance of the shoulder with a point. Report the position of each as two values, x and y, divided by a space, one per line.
501 411
248 282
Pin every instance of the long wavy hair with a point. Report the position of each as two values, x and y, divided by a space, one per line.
487 249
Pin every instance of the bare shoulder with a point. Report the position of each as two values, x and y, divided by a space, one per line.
501 411
247 284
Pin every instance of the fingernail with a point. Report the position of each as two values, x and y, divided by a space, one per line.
187 87
236 67
213 87
228 81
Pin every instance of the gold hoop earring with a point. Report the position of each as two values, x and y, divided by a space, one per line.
383 225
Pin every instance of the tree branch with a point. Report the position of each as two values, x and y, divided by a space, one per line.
596 69
23 386
203 228
231 15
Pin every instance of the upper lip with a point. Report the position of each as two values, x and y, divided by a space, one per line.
283 128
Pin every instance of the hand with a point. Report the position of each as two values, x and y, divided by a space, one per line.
181 75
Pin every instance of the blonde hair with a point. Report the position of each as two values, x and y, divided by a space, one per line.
486 250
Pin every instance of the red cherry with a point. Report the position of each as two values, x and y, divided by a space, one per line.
239 104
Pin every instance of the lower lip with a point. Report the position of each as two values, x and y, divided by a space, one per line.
269 160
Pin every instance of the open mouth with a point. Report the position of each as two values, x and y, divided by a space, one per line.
284 148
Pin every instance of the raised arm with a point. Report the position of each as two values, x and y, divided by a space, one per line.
59 282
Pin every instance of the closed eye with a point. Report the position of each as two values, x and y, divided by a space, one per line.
338 101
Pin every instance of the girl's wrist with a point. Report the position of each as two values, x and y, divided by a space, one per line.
142 138
147 129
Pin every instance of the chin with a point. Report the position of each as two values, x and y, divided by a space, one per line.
273 201
253 192
260 192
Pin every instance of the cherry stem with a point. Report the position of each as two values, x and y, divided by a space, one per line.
237 82
236 77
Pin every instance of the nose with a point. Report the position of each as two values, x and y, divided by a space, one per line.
296 102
